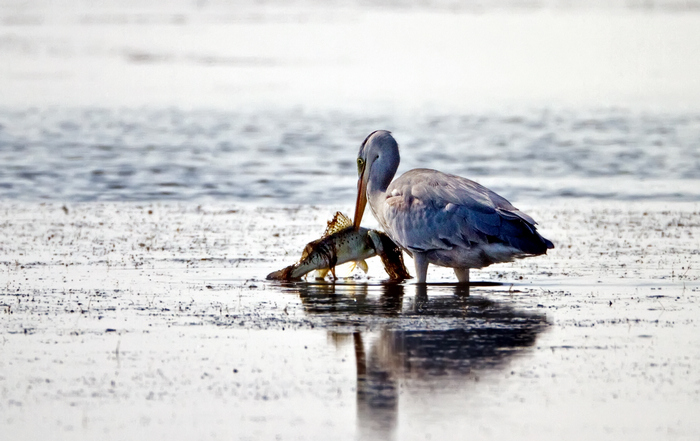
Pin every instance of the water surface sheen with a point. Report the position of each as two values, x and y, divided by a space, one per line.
89 154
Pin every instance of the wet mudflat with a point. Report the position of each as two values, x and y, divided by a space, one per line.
134 320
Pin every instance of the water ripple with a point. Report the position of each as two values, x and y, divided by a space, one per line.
149 154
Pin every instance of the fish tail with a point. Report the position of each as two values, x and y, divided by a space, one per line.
392 258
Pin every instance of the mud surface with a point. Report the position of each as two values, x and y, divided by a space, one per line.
126 320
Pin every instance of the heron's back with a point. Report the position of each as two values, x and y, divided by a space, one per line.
427 210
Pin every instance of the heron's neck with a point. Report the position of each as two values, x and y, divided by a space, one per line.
376 197
377 186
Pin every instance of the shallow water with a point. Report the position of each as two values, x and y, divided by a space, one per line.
308 158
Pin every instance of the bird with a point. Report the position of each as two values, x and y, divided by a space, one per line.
440 218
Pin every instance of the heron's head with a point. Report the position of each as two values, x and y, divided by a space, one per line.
376 163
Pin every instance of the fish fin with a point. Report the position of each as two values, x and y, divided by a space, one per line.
338 223
333 272
363 265
321 273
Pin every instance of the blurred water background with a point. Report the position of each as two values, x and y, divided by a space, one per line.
268 102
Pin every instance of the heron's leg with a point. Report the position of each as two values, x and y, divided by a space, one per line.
421 261
421 299
462 274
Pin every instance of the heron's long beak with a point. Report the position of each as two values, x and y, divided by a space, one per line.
361 201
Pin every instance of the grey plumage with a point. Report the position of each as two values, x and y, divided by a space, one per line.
441 218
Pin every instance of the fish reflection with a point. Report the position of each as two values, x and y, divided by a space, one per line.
404 340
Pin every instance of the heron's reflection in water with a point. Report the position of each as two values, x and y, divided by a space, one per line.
423 339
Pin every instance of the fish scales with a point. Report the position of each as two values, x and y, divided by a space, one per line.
340 244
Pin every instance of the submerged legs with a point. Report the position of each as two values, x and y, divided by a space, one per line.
462 274
421 261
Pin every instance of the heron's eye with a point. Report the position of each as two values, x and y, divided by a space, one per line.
360 165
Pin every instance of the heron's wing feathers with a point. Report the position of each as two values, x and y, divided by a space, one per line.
427 209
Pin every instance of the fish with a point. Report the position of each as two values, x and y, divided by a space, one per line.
342 243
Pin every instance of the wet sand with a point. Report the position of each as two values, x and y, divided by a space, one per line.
127 320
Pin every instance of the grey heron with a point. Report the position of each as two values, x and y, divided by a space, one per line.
440 218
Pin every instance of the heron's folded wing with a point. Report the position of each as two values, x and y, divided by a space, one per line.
427 209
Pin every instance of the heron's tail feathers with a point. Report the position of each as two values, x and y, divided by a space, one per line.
525 237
